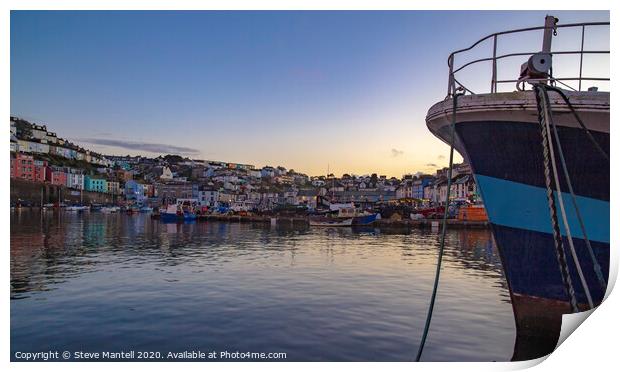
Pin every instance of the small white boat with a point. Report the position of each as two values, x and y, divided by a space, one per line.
331 222
109 209
77 208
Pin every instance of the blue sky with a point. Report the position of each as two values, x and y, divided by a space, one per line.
298 89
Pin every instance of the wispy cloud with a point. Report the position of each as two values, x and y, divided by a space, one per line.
159 148
433 165
396 153
441 157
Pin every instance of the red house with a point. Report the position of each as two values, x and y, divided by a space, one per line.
40 170
22 166
56 176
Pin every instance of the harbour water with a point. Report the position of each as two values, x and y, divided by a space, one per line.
114 282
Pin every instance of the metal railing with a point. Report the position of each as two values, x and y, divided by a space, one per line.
452 81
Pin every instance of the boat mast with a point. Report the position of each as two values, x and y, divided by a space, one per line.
333 184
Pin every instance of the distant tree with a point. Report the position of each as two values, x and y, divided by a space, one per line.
186 172
24 129
373 179
173 159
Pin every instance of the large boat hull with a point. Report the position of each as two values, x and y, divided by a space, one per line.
500 137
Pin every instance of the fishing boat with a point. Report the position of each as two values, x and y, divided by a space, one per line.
181 211
188 209
189 216
342 215
358 217
169 213
539 155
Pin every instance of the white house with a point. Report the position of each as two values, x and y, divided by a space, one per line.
75 180
430 192
166 174
33 147
38 131
209 198
226 198
255 173
404 191
50 137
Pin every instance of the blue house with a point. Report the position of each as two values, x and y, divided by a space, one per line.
418 186
134 191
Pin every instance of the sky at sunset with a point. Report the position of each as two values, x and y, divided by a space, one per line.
299 89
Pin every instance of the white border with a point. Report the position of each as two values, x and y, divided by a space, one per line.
591 347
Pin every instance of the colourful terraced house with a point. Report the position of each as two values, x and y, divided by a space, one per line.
95 184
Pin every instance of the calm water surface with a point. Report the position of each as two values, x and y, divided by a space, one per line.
96 282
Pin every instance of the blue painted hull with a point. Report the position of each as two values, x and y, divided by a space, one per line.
365 220
189 216
506 158
521 224
173 217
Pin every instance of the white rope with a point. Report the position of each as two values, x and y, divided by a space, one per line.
561 202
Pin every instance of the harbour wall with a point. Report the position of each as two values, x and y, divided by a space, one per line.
385 223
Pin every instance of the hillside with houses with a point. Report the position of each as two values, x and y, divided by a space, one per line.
39 155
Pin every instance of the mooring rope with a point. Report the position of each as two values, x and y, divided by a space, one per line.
557 236
596 266
431 306
571 245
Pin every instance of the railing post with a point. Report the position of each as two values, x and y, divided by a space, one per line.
583 31
494 76
450 76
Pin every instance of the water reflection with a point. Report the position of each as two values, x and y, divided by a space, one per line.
365 290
